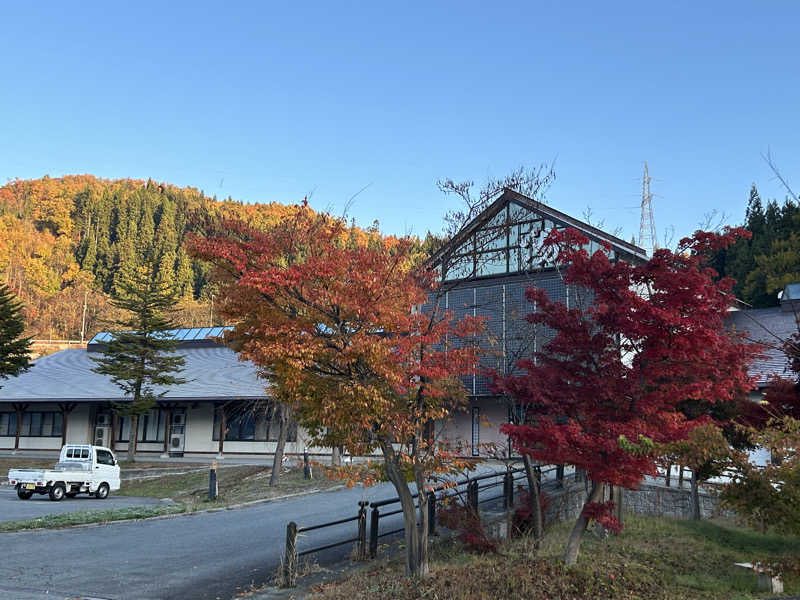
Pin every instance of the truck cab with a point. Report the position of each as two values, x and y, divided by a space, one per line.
81 469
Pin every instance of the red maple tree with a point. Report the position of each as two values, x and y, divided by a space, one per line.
605 388
332 316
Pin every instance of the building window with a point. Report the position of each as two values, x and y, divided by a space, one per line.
476 430
34 424
8 424
151 427
247 427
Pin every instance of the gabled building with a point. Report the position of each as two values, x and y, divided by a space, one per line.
485 271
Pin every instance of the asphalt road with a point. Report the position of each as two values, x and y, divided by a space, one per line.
202 556
14 509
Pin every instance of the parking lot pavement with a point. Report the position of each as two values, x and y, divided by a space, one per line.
14 509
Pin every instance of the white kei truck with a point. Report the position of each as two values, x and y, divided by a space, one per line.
81 469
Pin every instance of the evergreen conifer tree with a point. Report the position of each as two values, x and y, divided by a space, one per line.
140 357
14 349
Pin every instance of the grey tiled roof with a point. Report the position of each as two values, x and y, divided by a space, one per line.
211 372
768 327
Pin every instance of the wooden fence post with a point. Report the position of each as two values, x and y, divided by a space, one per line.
373 532
431 513
290 560
362 530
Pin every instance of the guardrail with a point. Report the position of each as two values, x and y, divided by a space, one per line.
471 487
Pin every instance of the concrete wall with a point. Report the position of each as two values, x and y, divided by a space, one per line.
457 429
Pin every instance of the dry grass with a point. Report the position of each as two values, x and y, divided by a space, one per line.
653 559
236 484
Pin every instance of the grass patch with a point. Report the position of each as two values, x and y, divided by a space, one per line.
92 516
236 484
653 559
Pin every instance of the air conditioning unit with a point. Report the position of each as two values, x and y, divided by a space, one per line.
102 436
178 419
103 419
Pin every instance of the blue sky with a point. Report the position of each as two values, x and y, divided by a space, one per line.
270 102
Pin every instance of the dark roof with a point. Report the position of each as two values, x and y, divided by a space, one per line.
631 251
768 327
213 372
187 338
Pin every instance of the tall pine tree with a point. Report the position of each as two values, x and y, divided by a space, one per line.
140 358
14 349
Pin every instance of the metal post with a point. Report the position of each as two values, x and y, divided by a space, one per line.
290 560
508 490
306 465
560 475
362 529
431 513
213 486
373 532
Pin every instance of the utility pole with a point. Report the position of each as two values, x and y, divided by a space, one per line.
647 228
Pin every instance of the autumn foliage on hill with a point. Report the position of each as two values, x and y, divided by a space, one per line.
69 239
606 386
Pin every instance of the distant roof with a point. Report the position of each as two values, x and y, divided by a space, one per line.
193 336
212 372
768 327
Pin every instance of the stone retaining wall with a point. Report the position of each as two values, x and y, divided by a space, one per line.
565 504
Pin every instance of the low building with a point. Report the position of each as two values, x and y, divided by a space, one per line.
60 399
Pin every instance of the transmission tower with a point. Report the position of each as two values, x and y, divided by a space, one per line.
647 228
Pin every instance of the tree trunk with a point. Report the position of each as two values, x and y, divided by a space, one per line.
132 435
667 476
535 498
283 427
574 542
695 498
416 535
680 477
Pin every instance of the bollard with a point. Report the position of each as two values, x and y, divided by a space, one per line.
290 560
431 513
213 486
362 530
306 465
373 532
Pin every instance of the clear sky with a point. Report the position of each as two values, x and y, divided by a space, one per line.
270 102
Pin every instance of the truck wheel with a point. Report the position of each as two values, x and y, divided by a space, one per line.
102 492
57 492
24 494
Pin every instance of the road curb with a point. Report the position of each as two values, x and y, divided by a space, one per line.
187 513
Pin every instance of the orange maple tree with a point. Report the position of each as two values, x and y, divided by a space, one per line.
333 317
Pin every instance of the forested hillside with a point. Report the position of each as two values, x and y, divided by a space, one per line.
763 265
65 241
